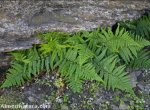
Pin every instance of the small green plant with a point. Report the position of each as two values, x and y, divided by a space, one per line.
66 98
59 83
101 55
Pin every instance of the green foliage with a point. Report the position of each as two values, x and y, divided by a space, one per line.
140 31
26 64
100 55
120 42
139 27
142 60
114 75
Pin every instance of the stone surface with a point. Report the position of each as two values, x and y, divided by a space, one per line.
21 20
133 78
93 97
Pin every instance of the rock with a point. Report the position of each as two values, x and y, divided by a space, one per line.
46 105
99 101
133 79
114 107
140 86
4 60
31 99
59 100
138 73
21 20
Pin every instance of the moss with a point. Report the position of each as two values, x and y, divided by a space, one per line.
10 98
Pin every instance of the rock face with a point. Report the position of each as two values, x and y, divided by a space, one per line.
21 20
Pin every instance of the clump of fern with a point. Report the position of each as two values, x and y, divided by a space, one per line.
140 27
100 55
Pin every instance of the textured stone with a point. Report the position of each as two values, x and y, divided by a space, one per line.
133 78
21 20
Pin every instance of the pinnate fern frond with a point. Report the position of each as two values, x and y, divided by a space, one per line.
14 76
107 67
115 77
75 68
142 60
21 70
140 27
122 43
116 41
143 26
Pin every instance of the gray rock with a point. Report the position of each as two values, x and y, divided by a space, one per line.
31 99
99 101
114 107
46 105
138 73
141 87
133 79
21 20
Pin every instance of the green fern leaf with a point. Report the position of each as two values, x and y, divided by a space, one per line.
84 54
115 77
75 84
14 76
142 60
140 27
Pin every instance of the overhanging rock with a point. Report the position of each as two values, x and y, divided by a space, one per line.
21 20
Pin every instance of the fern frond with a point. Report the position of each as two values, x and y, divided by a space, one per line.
141 41
84 54
116 41
21 71
75 84
89 73
128 53
115 77
20 56
143 27
15 76
122 43
49 36
75 67
91 38
142 60
140 27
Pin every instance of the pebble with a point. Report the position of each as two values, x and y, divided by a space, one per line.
31 99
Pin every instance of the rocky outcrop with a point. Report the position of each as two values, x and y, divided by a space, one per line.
21 20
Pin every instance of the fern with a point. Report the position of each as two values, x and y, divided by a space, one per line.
143 26
142 60
114 76
15 76
76 68
99 55
116 41
139 27
122 43
22 69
